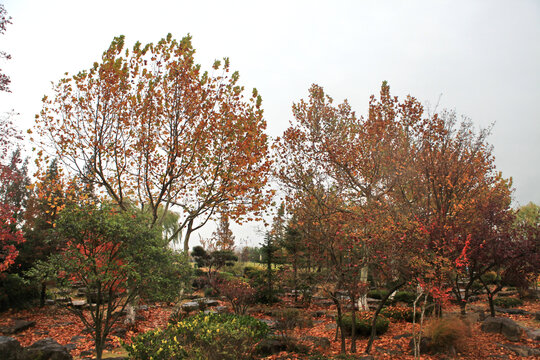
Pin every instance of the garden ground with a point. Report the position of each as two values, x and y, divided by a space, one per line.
59 324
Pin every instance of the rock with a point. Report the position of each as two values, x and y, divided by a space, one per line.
272 345
508 327
512 311
49 302
45 349
143 307
319 313
331 326
18 326
211 303
533 334
317 341
425 344
78 303
522 350
271 323
120 332
400 336
77 338
386 351
9 348
190 306
220 309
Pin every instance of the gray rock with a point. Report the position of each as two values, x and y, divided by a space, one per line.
49 302
220 309
522 350
9 348
533 334
273 345
317 341
512 311
271 323
45 349
190 306
400 336
508 327
330 326
17 327
211 303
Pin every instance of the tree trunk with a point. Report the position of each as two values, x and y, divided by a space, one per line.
188 235
43 294
339 321
362 300
353 322
376 315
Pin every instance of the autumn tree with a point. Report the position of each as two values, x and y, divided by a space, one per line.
10 232
155 131
362 161
117 257
5 20
223 238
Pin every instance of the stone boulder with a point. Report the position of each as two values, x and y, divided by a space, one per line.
45 349
190 306
9 348
18 326
521 350
507 327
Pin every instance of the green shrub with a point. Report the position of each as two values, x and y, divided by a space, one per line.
363 324
446 334
16 293
407 297
507 302
377 294
203 336
401 313
490 277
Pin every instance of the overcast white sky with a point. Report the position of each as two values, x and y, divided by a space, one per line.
482 56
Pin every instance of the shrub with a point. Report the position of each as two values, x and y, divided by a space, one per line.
289 318
447 334
363 324
377 294
507 302
239 294
401 313
16 293
203 336
407 297
490 277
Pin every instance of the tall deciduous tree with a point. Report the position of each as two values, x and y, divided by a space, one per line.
5 20
147 126
10 233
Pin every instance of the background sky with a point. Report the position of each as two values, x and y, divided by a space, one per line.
481 58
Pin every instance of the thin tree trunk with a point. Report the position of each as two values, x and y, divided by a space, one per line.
376 315
188 235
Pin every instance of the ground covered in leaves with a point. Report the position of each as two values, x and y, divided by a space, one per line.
64 327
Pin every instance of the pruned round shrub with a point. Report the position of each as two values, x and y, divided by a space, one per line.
407 297
363 324
507 302
203 336
377 294
401 313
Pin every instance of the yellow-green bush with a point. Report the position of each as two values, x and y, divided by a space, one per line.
203 336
